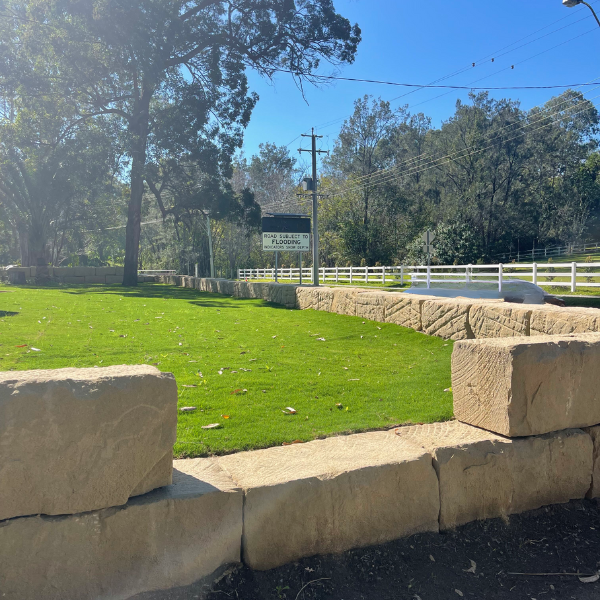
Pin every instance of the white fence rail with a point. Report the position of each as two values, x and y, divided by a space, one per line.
566 275
547 252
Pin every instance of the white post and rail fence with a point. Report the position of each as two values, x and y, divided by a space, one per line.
560 275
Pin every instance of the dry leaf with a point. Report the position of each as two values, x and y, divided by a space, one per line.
225 416
447 389
289 411
591 579
431 558
187 409
473 567
353 379
292 443
35 349
189 386
212 426
21 346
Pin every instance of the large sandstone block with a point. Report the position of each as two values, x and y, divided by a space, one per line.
527 386
119 279
499 320
371 306
482 475
331 495
225 287
240 289
448 319
344 301
316 298
97 279
553 320
405 310
103 271
281 293
75 440
594 433
168 538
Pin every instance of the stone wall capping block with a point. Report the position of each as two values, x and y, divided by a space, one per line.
528 385
332 495
77 440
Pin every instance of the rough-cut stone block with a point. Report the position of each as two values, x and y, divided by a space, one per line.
404 310
316 298
499 320
553 320
371 306
74 271
97 279
332 495
448 319
279 293
240 289
106 271
75 440
527 386
168 538
120 271
482 475
73 279
225 287
344 301
594 433
119 279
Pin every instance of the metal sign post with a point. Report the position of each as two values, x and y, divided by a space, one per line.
276 265
428 238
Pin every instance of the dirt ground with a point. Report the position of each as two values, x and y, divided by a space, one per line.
491 560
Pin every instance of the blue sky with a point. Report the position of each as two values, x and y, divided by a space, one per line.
418 42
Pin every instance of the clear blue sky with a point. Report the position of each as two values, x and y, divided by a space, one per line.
418 42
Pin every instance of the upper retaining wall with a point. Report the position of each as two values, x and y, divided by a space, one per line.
455 319
73 274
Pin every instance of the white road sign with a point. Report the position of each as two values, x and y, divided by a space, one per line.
297 242
428 237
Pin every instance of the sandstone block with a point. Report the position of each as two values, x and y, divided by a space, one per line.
120 271
448 319
331 495
404 310
527 386
594 433
97 279
73 279
168 538
240 289
553 320
117 279
316 298
344 301
103 271
225 287
76 440
482 475
279 293
371 306
499 320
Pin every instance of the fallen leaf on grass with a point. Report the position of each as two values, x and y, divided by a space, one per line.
187 409
321 340
253 359
225 416
353 379
189 386
212 426
292 443
289 411
21 346
123 335
447 389
236 392
35 349
340 405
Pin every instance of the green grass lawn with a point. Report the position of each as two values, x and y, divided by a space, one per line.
240 362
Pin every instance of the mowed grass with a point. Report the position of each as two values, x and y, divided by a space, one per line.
241 363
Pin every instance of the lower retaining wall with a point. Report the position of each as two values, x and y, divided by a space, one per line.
70 275
455 319
270 507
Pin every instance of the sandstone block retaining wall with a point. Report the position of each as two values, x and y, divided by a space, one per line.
106 275
455 319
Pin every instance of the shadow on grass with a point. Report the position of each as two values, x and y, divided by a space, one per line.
8 313
159 290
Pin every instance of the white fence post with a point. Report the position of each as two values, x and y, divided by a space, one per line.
428 277
323 271
534 273
500 275
574 277
468 273
337 274
350 274
366 274
383 275
402 275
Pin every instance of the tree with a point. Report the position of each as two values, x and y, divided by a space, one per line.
170 62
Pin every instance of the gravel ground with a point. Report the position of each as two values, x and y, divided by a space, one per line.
491 560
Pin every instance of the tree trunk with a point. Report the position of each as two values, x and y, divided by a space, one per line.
139 129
